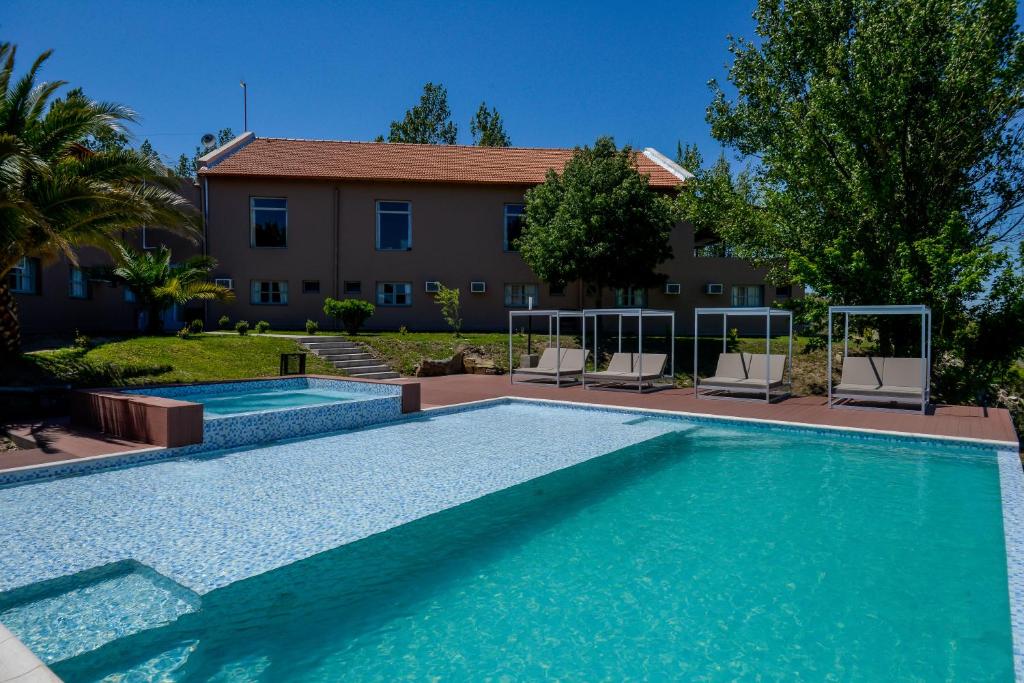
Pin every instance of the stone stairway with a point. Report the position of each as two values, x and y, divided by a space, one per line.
347 355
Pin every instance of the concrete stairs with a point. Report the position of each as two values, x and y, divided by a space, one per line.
347 355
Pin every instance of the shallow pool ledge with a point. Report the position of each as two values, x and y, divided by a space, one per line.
18 663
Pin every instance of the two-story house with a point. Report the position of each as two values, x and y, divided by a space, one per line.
294 221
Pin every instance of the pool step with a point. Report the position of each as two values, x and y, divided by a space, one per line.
350 356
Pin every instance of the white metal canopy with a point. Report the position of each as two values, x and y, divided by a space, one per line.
554 317
925 314
640 314
765 312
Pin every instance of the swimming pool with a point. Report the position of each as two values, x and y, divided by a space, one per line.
495 542
258 401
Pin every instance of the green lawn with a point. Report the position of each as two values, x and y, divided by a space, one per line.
164 359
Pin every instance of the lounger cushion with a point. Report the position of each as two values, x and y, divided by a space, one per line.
572 361
902 372
730 367
758 367
863 371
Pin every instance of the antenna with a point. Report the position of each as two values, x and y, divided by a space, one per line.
245 105
209 141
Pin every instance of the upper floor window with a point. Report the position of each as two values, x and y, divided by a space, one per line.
78 284
353 287
784 292
515 214
712 250
746 296
269 222
269 292
23 278
394 226
630 297
518 295
394 293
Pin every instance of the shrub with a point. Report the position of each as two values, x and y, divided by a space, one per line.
403 330
451 311
262 326
224 322
82 341
312 327
195 326
733 340
183 333
242 327
351 312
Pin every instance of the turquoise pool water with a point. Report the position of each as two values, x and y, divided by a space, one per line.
703 554
219 405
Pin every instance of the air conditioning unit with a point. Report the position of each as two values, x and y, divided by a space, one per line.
431 286
713 288
477 287
673 288
224 282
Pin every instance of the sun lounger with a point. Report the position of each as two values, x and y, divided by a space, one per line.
557 364
730 371
745 373
879 379
626 368
758 370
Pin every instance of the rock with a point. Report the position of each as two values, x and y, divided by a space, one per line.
475 364
438 368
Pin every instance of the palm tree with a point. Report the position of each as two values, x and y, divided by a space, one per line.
158 284
56 194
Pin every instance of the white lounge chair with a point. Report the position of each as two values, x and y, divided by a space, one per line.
557 364
730 371
626 369
880 380
745 373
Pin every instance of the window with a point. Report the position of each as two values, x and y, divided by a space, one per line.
394 226
515 214
310 286
784 292
556 290
23 277
78 285
270 292
746 296
630 297
129 295
353 287
519 295
269 218
394 294
713 250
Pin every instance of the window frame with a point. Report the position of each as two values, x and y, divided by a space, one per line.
746 289
625 297
252 220
379 294
306 290
378 212
526 294
506 245
73 286
28 270
358 291
282 293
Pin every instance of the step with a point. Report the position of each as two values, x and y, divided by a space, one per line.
314 346
344 351
321 338
355 363
346 356
390 374
363 369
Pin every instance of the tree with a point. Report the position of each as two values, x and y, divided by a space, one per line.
451 310
885 146
429 122
598 221
487 128
158 284
56 193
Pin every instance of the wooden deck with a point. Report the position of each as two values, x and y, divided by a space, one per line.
969 422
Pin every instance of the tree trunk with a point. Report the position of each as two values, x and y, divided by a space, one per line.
10 328
154 322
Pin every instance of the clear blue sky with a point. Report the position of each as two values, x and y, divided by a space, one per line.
559 75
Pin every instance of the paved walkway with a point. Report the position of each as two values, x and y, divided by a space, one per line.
959 421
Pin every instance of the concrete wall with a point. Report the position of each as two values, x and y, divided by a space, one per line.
457 237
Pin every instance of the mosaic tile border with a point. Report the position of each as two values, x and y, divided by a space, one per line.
217 388
1011 487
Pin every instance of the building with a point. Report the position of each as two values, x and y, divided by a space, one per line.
294 221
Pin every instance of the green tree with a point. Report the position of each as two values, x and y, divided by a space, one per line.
598 221
885 148
56 193
158 284
487 128
429 122
451 310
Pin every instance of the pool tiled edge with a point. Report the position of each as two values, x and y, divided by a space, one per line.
1011 485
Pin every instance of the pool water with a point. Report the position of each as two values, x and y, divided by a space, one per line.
712 553
220 405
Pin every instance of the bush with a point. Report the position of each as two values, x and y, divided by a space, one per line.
262 326
195 326
312 327
82 341
451 311
183 333
351 312
224 322
242 327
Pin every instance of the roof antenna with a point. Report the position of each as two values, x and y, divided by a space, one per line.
209 141
245 106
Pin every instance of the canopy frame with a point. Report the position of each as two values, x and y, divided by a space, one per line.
892 309
595 314
768 313
554 317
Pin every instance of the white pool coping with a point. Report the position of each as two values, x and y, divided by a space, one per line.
19 664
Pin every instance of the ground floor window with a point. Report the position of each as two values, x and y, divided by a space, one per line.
747 296
129 295
784 292
394 293
353 287
23 277
556 289
270 292
78 285
630 297
310 286
518 295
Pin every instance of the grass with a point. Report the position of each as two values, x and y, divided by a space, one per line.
159 359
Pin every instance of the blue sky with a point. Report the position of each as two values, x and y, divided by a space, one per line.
559 75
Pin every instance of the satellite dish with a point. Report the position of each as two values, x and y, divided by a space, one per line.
209 141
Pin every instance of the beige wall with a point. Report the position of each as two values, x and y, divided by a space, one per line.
457 234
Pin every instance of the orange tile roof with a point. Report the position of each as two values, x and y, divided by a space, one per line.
339 160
